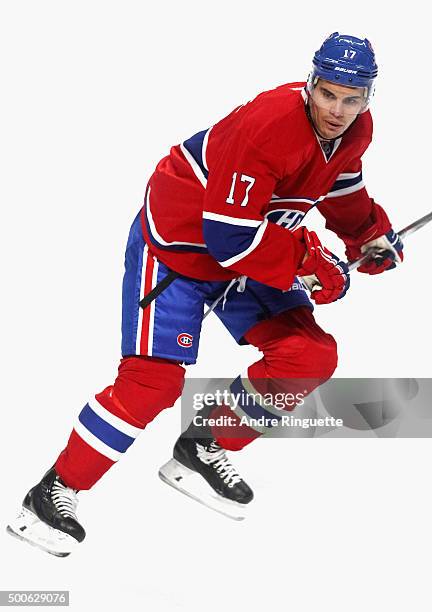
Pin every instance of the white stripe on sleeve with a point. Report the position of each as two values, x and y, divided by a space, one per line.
346 191
197 170
345 176
204 149
231 220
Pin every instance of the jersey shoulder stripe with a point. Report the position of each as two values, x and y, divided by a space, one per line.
196 146
346 183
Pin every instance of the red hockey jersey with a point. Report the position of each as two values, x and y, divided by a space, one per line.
219 205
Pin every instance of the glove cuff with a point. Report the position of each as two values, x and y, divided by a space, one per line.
380 226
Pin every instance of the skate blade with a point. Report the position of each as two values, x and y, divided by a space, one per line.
194 486
29 528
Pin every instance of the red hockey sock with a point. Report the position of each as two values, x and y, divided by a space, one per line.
110 422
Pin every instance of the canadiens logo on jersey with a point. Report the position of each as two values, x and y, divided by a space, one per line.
287 218
185 340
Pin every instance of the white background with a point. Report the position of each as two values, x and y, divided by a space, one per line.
93 95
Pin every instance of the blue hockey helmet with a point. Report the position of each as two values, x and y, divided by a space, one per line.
345 60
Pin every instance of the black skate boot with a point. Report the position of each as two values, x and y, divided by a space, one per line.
48 518
209 459
195 459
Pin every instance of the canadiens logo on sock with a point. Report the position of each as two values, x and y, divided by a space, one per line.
185 340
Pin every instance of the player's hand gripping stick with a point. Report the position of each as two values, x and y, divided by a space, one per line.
324 273
312 282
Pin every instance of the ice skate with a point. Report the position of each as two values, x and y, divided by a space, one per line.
200 469
47 519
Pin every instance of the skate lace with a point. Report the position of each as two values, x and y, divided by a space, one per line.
215 455
64 499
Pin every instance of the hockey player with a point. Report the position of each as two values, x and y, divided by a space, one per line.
223 211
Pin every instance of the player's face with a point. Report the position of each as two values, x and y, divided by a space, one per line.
334 107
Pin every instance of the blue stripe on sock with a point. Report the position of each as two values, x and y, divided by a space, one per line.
104 431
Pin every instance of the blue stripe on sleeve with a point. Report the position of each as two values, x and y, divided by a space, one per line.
225 240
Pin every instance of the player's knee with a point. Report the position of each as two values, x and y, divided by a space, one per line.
328 356
146 386
303 356
320 356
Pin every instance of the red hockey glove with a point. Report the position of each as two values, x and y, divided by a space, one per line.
320 267
385 246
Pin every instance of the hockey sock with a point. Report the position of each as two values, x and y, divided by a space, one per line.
110 422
